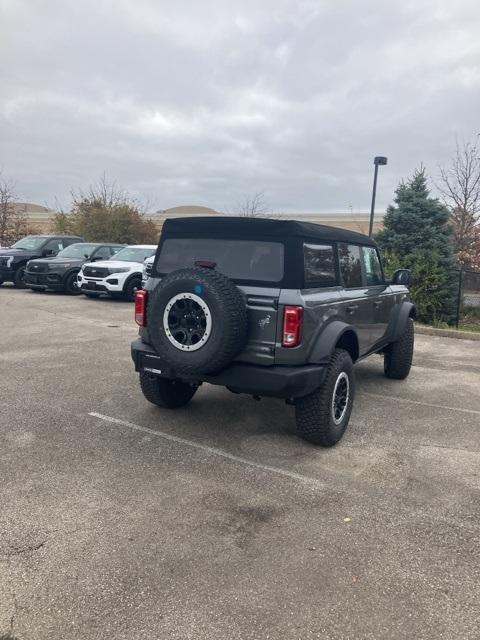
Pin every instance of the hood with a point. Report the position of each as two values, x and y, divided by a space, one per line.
114 263
20 253
56 259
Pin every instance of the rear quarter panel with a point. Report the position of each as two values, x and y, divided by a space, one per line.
321 307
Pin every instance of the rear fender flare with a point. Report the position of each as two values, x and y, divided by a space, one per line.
328 339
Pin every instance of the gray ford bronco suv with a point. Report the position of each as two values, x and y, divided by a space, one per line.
273 308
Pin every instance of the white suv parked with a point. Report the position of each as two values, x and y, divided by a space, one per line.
119 277
147 269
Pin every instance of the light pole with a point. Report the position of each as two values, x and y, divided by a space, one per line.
378 160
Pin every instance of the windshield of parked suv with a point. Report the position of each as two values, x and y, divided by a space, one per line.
30 243
78 250
237 259
133 254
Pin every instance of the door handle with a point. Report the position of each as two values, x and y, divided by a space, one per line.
351 308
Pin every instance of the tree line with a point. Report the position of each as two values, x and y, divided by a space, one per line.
102 213
433 237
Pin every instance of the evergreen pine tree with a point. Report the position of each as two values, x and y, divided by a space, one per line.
417 235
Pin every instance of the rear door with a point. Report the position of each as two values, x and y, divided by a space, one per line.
358 304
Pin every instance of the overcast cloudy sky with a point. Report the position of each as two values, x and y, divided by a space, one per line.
203 102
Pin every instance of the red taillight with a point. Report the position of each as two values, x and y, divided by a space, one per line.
292 326
141 307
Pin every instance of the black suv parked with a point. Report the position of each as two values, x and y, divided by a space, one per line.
60 273
270 308
14 259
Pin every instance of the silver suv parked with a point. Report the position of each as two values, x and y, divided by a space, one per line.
270 308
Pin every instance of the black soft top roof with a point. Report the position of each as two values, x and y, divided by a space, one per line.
245 227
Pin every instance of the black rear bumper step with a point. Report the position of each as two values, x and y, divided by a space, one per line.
272 381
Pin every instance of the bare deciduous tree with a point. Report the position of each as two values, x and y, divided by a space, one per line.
459 185
13 220
254 206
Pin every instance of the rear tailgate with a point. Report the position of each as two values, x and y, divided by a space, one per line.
262 308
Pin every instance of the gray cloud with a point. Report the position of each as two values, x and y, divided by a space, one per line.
191 102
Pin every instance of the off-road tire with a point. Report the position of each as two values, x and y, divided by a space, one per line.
130 287
165 393
397 359
314 413
19 278
70 286
229 322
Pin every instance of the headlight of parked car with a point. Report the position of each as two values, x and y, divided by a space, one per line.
118 269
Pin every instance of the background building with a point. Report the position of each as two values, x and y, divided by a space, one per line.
40 218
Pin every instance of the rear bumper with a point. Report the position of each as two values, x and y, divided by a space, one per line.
272 381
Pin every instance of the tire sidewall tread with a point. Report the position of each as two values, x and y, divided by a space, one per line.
313 412
399 354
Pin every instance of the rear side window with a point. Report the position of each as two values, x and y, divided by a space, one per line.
56 245
68 241
373 268
103 253
238 259
350 265
319 260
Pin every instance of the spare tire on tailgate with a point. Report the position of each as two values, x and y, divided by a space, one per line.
197 320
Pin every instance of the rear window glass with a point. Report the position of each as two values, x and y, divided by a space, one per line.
237 259
319 265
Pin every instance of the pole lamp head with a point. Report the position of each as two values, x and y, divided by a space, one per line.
380 160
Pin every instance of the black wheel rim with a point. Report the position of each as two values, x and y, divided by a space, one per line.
72 284
134 286
341 395
187 322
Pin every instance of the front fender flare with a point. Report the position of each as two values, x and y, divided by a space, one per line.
69 273
399 318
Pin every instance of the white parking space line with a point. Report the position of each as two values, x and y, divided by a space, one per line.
423 404
313 482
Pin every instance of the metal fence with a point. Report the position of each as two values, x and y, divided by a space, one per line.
468 297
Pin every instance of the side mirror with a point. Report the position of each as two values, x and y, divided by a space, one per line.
47 253
401 276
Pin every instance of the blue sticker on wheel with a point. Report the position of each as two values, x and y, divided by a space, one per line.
198 289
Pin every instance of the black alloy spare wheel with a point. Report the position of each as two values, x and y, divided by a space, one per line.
187 321
197 320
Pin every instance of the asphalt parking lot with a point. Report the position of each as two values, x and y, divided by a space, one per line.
122 521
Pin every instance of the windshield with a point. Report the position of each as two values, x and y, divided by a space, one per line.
30 243
254 260
134 254
78 250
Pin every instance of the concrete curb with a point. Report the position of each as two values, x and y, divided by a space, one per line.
447 333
